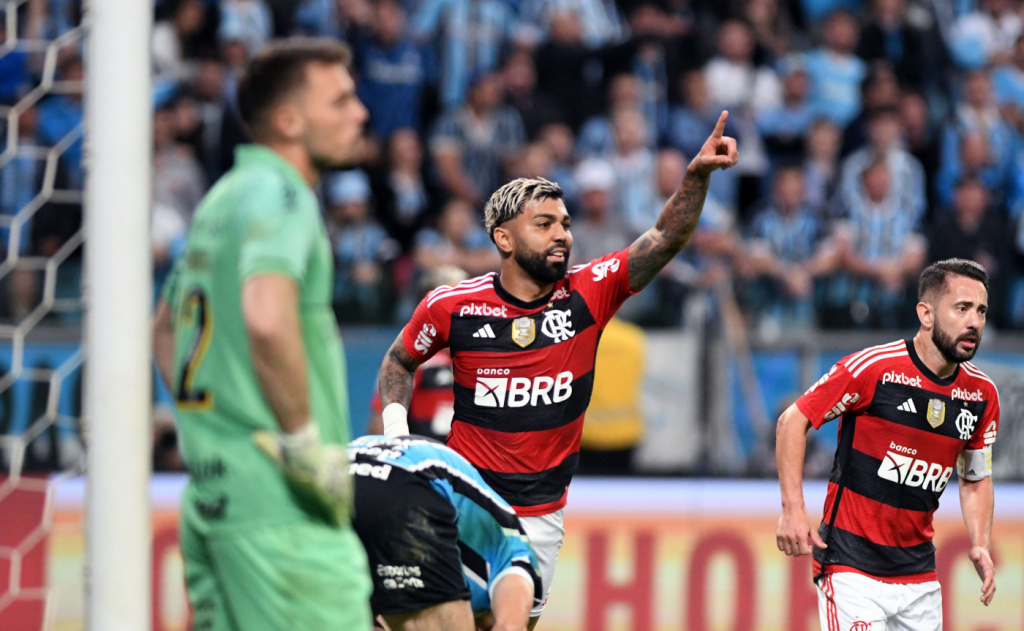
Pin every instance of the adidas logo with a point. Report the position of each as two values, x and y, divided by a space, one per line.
485 331
907 406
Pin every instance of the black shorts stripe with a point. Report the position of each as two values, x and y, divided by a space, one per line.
862 478
527 418
890 396
846 548
533 489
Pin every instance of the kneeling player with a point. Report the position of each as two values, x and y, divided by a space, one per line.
442 545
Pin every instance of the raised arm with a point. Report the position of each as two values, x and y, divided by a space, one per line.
395 384
656 247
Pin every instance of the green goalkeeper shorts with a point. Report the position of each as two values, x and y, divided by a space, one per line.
298 576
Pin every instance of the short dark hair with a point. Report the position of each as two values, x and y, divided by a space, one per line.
935 276
279 69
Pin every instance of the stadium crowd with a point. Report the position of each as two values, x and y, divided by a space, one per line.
875 136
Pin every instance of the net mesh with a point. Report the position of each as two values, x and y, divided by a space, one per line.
41 237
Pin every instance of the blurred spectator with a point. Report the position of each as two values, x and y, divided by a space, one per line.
474 144
771 27
881 248
600 22
520 78
178 180
783 255
652 61
567 71
634 166
974 161
218 127
250 20
459 240
404 198
880 90
821 167
362 250
987 35
597 136
1008 86
468 36
908 40
60 117
21 179
921 139
835 73
393 72
535 161
784 127
597 227
170 39
559 139
15 77
977 112
733 81
904 176
977 231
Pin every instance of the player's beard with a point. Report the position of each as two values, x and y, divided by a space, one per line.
949 347
536 264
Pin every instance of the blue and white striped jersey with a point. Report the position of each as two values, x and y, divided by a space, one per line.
491 540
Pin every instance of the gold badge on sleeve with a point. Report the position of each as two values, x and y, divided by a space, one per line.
524 331
936 412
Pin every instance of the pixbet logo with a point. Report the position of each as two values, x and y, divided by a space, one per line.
425 338
898 377
911 471
964 395
517 392
484 310
842 406
601 270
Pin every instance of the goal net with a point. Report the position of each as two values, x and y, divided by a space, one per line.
58 299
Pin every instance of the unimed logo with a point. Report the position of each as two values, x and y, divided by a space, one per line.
517 392
903 469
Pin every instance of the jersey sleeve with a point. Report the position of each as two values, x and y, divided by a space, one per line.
838 392
604 284
975 461
427 330
278 230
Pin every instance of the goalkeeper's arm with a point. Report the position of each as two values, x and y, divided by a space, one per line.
163 342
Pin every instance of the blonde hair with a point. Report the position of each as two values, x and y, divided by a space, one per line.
513 198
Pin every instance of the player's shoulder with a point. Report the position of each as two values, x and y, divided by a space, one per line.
598 269
449 296
267 188
876 359
980 380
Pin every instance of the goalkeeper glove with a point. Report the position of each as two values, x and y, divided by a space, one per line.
316 472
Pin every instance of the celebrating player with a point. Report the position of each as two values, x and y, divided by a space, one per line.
909 412
247 341
432 527
523 341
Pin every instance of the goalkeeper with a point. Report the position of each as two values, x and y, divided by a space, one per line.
246 339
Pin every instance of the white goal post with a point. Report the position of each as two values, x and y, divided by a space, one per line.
118 287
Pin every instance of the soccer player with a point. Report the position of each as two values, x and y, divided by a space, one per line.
443 545
909 412
523 341
246 339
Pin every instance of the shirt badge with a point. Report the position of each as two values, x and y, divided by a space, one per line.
936 412
524 331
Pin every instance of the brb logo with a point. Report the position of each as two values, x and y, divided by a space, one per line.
602 270
898 377
557 325
965 423
484 310
905 469
964 395
517 392
425 338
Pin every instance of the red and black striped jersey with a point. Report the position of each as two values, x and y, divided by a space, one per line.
901 430
524 372
433 402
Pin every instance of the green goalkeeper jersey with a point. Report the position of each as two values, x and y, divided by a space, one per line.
260 218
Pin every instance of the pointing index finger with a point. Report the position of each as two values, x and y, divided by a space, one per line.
720 126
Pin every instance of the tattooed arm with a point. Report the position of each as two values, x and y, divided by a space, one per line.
396 375
656 247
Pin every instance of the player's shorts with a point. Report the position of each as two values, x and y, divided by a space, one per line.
411 537
546 534
848 601
297 576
